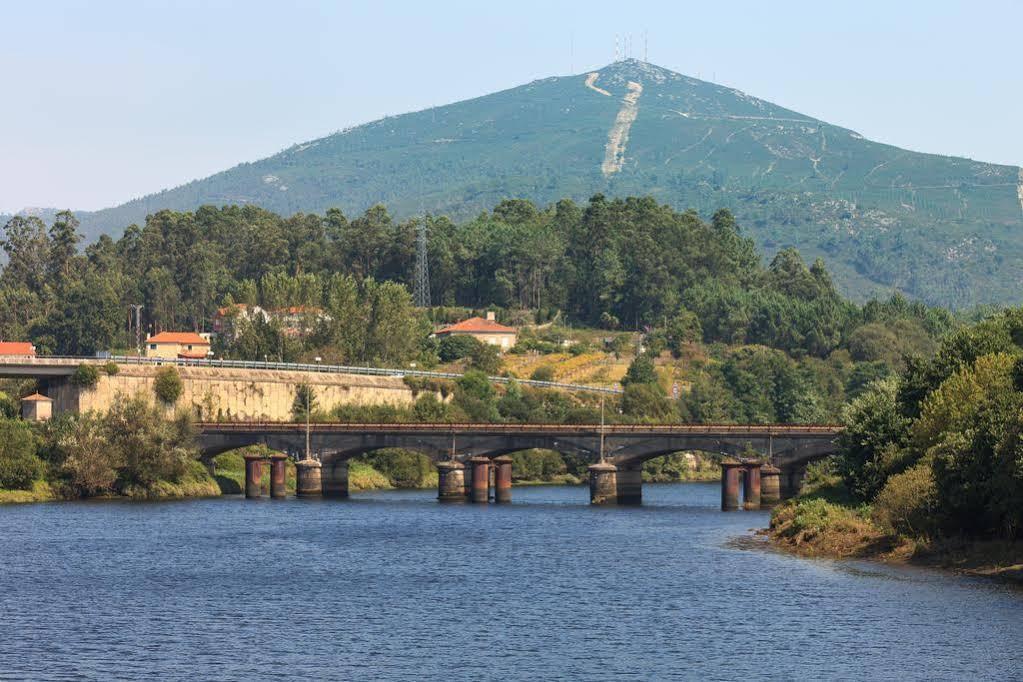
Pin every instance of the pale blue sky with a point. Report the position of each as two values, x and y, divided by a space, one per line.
105 101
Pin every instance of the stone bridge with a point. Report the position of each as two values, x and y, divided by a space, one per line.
616 452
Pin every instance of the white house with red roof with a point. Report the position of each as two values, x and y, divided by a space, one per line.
486 330
172 345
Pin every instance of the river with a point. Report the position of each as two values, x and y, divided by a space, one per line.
394 585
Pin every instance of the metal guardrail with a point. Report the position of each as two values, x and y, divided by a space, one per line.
308 367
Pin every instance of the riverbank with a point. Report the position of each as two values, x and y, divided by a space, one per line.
824 523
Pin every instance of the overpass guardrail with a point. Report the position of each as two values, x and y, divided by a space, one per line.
299 367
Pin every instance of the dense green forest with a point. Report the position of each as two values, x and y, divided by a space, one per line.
618 264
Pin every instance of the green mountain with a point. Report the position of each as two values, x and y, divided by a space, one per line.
943 229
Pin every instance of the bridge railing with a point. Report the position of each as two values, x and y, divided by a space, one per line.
310 367
759 430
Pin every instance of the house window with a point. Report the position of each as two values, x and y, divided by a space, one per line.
152 346
189 346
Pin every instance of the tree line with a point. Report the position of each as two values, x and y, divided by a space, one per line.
620 264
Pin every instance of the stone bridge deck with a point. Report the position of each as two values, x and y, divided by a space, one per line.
623 444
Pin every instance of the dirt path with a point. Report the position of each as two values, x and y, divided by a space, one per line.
618 137
591 78
1019 189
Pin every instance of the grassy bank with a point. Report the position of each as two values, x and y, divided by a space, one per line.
825 522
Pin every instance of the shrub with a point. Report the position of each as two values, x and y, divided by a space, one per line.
537 465
641 371
907 503
19 466
168 385
148 447
85 376
543 373
8 407
111 368
486 359
404 468
89 463
456 347
428 409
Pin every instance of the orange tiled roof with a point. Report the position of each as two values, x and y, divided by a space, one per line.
37 398
241 307
299 310
17 348
477 325
178 337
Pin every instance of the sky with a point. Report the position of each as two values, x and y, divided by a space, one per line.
101 102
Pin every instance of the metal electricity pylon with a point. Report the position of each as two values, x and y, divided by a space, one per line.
421 286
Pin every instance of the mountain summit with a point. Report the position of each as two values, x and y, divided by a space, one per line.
943 229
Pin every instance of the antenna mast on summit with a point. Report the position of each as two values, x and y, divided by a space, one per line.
645 47
616 47
421 287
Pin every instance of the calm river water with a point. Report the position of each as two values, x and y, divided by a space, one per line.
394 585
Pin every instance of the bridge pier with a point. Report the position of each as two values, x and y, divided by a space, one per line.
730 473
502 478
253 476
630 484
451 482
334 475
770 485
308 482
792 480
480 479
603 483
751 486
278 476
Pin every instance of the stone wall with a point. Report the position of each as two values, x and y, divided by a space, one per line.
223 394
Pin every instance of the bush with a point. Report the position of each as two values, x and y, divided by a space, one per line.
907 503
456 347
537 465
89 464
428 409
85 376
168 385
476 397
486 359
404 468
641 371
111 368
148 447
8 407
543 373
19 466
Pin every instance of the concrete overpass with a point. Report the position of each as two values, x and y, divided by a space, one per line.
786 448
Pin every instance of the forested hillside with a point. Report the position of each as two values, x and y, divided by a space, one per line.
943 230
746 342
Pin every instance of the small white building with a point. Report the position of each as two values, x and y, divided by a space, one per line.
485 330
36 408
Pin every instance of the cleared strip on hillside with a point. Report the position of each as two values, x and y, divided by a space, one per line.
618 137
591 78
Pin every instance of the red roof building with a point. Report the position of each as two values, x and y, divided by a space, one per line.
486 330
17 348
177 345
